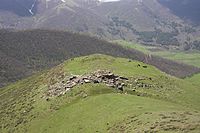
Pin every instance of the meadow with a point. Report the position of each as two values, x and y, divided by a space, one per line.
187 57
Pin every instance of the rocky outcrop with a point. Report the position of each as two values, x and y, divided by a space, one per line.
100 76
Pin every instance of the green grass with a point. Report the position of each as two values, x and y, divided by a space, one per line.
93 114
96 107
194 80
191 57
132 45
119 66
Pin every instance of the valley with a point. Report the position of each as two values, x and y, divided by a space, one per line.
104 66
188 57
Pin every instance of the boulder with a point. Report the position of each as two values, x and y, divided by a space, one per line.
87 81
72 77
96 81
120 87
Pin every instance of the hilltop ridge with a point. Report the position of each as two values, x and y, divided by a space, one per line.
34 50
171 103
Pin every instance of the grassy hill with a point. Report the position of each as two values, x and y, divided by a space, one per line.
169 105
23 53
189 57
194 79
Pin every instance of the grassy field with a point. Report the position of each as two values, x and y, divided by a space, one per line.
169 105
190 57
194 80
100 113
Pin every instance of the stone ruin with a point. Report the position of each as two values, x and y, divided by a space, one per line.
100 76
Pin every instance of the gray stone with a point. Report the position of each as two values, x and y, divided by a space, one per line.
99 76
120 87
87 81
72 77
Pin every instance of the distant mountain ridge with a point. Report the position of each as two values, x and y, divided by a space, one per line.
183 8
186 9
20 7
148 22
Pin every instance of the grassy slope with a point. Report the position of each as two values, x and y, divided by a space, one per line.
23 109
191 58
194 80
93 113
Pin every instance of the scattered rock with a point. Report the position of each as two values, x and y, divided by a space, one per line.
120 87
100 76
96 81
72 77
87 81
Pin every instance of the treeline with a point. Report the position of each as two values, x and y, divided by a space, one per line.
25 52
157 36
